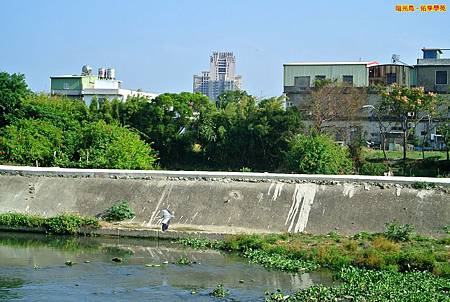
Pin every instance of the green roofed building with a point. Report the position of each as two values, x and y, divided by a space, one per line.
86 86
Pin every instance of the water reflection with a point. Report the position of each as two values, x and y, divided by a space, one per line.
38 262
7 284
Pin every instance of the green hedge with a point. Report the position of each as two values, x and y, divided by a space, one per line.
61 224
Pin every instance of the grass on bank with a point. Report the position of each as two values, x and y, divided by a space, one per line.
303 252
396 155
60 224
434 164
395 266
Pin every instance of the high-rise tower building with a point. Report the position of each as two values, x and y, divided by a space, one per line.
220 77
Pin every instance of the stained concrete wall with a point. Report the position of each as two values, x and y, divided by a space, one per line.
233 202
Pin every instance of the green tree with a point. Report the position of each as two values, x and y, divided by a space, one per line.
408 106
444 130
13 89
166 121
30 142
105 110
63 113
318 154
103 145
247 134
442 121
232 96
94 109
116 109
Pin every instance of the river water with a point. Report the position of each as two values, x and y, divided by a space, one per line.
32 268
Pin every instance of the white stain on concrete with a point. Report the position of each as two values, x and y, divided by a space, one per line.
270 188
302 200
277 192
260 197
165 193
424 193
349 190
195 215
398 191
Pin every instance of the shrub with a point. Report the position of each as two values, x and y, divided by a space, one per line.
119 211
363 235
332 256
421 185
61 224
385 244
242 243
69 224
442 269
447 229
317 154
369 168
416 261
370 258
396 232
111 146
21 220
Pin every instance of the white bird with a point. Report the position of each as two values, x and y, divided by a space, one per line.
167 215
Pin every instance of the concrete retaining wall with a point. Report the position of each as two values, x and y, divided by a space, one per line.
233 202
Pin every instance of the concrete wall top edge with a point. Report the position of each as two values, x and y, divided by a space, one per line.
69 172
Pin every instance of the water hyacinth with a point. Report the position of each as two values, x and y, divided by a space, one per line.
369 285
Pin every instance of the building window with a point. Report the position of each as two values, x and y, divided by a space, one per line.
320 77
302 81
347 79
441 77
66 86
391 78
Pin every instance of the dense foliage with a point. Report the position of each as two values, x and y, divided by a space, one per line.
13 89
69 224
60 224
318 154
377 169
119 211
368 267
301 252
368 285
187 131
44 130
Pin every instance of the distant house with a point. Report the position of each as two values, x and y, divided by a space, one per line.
431 72
388 74
299 78
87 86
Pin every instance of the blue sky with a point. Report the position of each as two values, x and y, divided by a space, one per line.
158 45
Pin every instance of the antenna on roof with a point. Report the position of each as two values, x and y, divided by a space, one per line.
395 58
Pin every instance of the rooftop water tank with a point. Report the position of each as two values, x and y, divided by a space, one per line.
86 70
111 73
101 73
